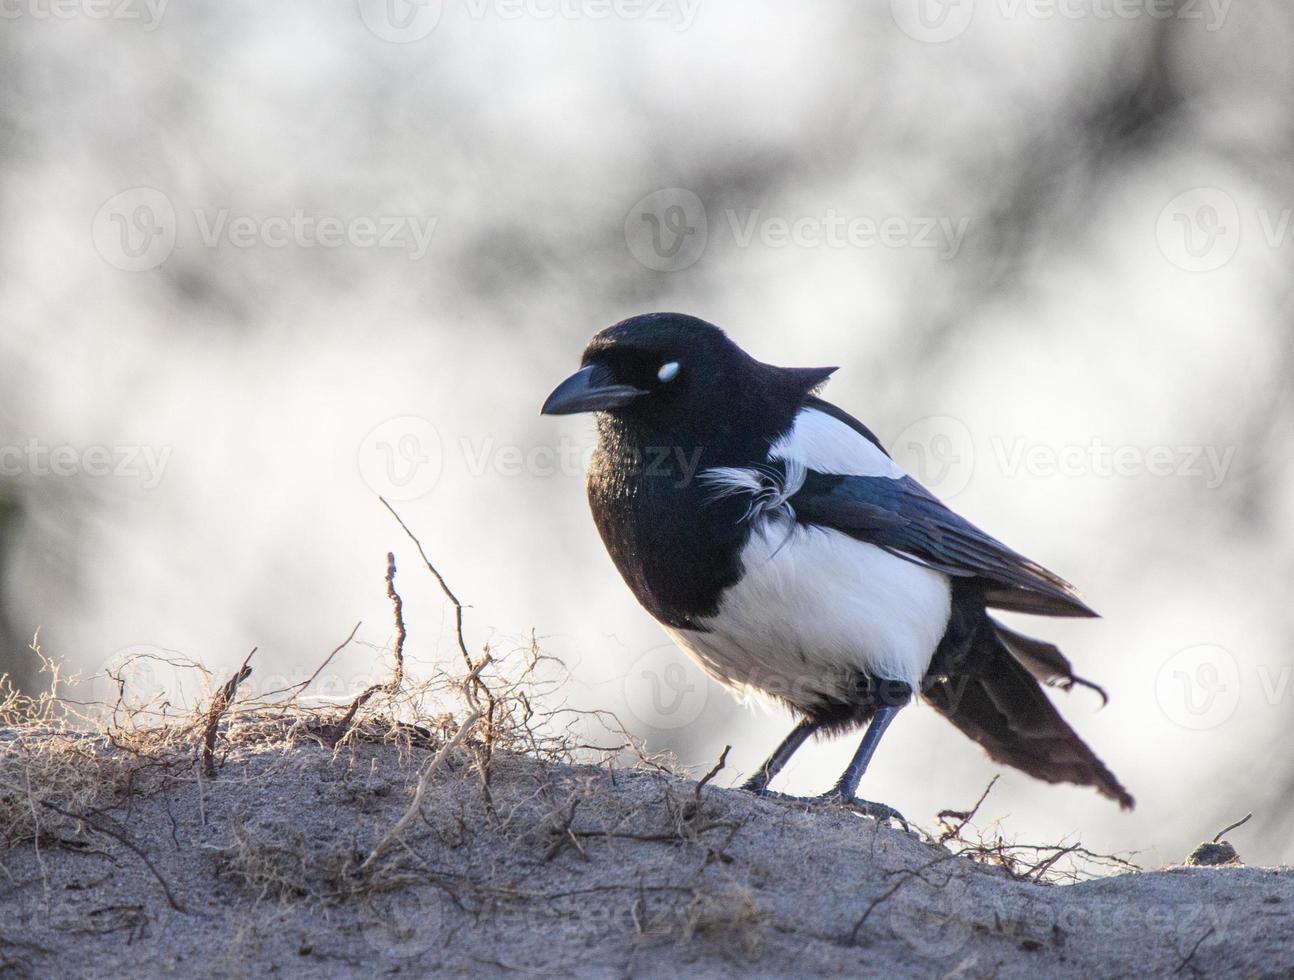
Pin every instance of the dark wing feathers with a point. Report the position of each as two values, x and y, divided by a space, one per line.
904 518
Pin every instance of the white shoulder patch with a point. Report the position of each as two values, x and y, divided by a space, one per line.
824 443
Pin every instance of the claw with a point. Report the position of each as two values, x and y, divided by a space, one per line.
758 783
877 811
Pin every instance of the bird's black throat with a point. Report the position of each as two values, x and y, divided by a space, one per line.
675 541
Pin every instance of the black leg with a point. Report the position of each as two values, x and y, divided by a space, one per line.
847 785
781 756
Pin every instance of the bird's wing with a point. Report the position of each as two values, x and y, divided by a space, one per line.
850 484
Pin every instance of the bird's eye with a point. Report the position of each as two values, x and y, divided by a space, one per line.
668 372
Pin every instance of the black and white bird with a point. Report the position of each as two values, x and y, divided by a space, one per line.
779 544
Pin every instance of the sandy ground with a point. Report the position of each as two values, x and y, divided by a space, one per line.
570 870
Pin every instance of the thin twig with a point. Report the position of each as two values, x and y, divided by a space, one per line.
342 728
907 875
224 697
1196 948
397 609
415 806
714 771
298 688
119 836
474 686
1239 823
1037 873
964 817
440 580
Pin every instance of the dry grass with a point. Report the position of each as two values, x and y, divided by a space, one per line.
1060 863
69 770
64 764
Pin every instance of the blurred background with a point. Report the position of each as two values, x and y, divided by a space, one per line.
262 262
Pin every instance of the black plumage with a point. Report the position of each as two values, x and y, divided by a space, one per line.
727 493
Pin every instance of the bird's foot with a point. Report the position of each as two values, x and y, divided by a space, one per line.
877 811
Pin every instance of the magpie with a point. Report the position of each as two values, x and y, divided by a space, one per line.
777 542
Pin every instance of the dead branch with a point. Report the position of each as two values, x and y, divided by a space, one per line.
415 806
962 817
1037 873
714 771
476 687
224 697
440 580
342 728
1239 823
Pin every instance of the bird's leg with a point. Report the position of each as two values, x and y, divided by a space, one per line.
847 785
758 783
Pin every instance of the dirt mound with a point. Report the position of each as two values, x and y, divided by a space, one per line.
277 865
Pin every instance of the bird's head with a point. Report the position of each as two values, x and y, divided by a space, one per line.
673 371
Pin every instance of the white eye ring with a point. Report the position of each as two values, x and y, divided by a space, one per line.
668 372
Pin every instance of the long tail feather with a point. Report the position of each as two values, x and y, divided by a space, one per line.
996 701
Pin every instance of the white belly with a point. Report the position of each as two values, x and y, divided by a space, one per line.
812 608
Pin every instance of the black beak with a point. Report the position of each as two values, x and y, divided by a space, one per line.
589 389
